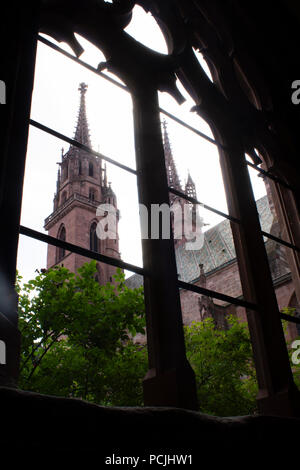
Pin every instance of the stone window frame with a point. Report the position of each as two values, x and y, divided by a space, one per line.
167 361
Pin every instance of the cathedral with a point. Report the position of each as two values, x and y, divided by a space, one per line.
82 185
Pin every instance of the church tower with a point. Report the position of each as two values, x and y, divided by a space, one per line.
81 187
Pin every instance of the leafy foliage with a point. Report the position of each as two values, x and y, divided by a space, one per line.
295 367
222 361
77 342
77 336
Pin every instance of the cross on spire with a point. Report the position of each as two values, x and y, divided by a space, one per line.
82 88
82 134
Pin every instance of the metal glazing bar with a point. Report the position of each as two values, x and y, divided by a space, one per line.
269 175
81 62
216 295
124 87
129 267
80 251
211 209
231 300
79 145
289 318
279 240
191 128
163 111
233 219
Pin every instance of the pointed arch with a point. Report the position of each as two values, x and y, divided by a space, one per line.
92 194
61 252
94 241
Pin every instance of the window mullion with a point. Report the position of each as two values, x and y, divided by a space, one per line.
268 342
170 380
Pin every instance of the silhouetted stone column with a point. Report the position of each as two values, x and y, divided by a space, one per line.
170 380
277 394
285 203
18 47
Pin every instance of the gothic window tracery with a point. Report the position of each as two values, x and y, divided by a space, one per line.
92 194
213 95
94 242
61 252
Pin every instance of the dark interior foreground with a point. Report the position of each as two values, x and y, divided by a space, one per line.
51 428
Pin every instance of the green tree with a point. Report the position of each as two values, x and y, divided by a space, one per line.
292 346
77 342
76 336
222 361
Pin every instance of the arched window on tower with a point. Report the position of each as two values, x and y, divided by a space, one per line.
94 242
61 252
80 168
92 194
91 169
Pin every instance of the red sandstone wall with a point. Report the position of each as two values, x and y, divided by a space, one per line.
226 281
77 224
189 306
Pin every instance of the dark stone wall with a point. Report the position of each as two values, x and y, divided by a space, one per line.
60 431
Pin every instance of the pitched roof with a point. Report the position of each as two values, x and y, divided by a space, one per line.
218 247
217 250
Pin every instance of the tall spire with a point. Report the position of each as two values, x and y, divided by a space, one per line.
82 134
173 178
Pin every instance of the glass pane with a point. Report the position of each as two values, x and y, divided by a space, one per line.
32 256
184 111
219 351
56 104
124 185
292 338
268 216
209 259
280 257
78 192
144 29
192 160
67 327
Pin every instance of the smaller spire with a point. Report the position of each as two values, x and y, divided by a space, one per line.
190 188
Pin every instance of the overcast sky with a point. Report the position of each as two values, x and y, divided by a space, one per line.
55 104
